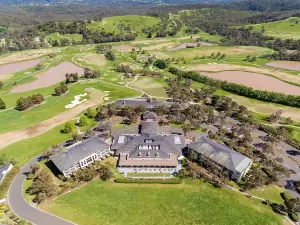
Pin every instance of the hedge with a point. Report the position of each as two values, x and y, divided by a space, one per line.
4 186
242 90
148 181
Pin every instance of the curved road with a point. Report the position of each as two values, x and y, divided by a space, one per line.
23 209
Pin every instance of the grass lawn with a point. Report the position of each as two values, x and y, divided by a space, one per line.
25 150
148 174
112 24
236 51
271 193
14 120
192 203
152 86
57 37
284 29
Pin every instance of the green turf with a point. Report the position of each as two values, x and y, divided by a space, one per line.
57 37
137 204
271 193
112 24
284 29
14 120
25 150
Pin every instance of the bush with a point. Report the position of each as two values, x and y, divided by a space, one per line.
4 186
286 195
294 216
83 121
161 63
2 104
69 127
61 89
148 181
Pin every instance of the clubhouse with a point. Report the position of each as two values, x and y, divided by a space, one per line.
150 151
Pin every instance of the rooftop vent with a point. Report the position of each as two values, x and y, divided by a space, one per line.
177 140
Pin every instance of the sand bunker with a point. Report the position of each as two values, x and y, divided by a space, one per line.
76 101
52 76
16 67
193 45
228 67
289 65
256 81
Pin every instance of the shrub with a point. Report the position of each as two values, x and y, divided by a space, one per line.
2 104
148 181
69 127
61 89
83 121
161 63
294 216
286 195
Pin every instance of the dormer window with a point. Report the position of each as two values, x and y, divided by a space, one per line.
156 154
148 154
139 154
148 141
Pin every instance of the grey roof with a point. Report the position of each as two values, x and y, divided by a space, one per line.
149 128
3 170
141 146
141 101
221 154
75 153
150 116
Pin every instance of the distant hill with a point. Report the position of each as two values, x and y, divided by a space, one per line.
105 2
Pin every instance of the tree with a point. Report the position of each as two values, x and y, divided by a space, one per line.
2 104
110 56
1 84
43 186
61 89
69 127
275 116
186 128
293 204
161 63
83 121
254 179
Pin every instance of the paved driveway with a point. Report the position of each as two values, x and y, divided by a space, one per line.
23 209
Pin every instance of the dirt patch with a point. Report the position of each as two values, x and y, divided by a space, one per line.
92 59
40 128
228 67
191 45
256 81
25 55
289 65
16 67
149 41
52 76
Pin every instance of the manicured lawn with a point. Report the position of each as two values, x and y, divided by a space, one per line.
14 120
152 86
283 29
152 204
148 174
24 151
